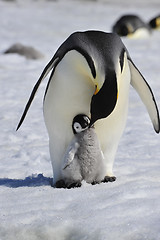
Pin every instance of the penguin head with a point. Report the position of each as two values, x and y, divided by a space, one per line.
80 123
125 25
124 30
155 23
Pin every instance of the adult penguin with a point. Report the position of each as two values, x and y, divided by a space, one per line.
131 26
91 74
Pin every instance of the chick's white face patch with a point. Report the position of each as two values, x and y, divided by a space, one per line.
77 127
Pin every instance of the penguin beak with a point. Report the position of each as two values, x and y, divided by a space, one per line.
96 89
104 99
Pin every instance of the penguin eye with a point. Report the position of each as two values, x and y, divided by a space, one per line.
77 127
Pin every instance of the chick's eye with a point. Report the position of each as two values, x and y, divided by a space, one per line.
77 127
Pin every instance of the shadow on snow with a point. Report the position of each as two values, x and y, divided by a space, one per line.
31 181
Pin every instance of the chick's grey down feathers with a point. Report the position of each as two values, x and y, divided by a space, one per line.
84 158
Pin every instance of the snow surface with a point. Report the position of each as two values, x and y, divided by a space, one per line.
30 209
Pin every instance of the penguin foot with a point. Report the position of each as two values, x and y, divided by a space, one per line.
74 185
60 184
95 182
109 179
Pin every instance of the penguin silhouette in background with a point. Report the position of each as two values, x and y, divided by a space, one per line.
154 23
27 51
83 159
131 26
91 74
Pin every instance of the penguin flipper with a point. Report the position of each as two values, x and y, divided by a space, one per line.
144 91
70 153
45 72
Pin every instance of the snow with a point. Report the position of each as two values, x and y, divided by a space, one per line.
30 209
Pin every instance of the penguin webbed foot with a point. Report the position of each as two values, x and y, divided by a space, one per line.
95 182
74 185
61 184
109 179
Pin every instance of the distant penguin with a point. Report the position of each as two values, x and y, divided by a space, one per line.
91 74
155 23
27 51
83 159
131 26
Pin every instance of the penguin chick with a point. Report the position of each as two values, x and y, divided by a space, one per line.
83 159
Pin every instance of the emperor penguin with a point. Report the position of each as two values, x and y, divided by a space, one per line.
83 159
91 74
154 23
131 26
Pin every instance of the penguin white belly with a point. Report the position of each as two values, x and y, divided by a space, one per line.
110 129
140 33
69 93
